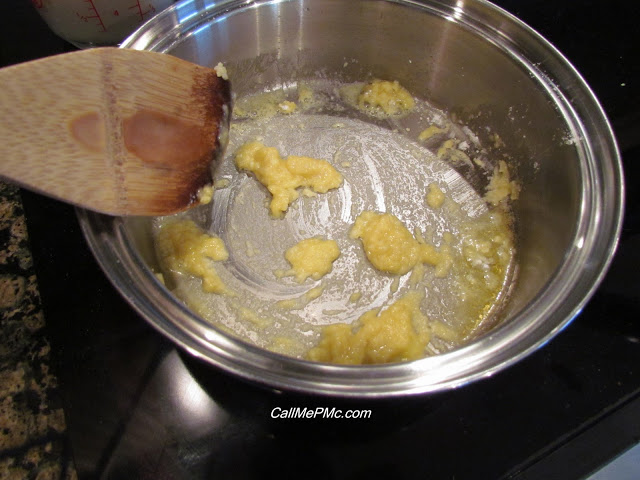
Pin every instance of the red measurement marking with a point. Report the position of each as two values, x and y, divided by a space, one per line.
141 13
138 7
93 15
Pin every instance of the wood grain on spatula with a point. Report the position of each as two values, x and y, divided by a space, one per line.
118 131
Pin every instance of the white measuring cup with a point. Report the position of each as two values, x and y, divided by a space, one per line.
93 23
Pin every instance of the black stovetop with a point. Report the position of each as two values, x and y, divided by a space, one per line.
138 407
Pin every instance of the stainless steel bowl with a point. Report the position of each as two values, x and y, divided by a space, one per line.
469 58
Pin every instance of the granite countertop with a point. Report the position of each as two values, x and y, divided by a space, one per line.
33 442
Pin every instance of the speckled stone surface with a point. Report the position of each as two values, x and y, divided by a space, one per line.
33 443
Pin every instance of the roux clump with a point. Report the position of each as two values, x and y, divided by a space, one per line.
501 186
184 248
312 257
435 197
388 97
390 247
282 177
221 71
430 132
381 336
205 194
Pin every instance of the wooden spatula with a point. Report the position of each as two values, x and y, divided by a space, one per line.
118 131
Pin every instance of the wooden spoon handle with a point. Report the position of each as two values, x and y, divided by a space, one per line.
119 131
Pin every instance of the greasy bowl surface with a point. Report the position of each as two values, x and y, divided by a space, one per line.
469 58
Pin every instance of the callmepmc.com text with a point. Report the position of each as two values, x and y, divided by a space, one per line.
319 412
